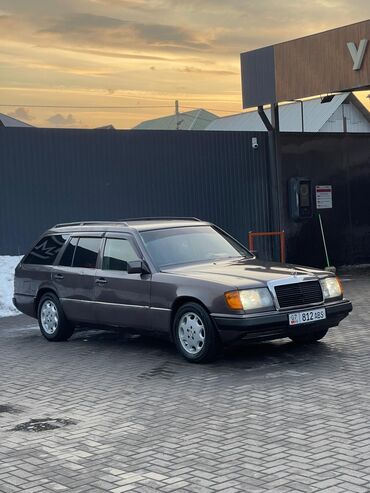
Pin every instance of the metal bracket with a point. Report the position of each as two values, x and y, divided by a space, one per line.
264 118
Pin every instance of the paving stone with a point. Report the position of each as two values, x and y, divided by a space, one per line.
269 417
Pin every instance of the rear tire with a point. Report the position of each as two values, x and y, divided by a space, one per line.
195 335
307 338
53 323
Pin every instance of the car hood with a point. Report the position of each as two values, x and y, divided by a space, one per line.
245 272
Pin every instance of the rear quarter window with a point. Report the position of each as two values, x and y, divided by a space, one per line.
46 250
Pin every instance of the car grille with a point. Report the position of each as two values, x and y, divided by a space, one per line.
297 294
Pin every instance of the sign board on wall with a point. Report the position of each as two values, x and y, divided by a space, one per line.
324 197
331 61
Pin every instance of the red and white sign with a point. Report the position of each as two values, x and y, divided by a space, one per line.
324 197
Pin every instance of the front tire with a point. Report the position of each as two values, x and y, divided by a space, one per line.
308 338
195 335
53 323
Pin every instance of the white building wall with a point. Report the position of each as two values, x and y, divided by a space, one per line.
355 120
318 117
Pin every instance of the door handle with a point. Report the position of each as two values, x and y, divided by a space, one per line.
101 280
57 277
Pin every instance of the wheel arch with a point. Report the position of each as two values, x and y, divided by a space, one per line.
40 294
179 302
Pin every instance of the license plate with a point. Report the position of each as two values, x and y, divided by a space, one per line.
307 316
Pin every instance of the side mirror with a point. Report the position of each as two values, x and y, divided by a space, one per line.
137 267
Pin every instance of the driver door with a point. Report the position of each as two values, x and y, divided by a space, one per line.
121 299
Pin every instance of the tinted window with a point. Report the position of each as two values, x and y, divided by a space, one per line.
46 250
192 244
117 253
67 256
86 252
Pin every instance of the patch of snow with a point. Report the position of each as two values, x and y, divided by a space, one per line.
7 266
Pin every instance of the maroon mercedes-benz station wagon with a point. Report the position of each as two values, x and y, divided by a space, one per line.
181 276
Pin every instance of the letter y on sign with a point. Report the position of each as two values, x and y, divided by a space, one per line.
357 54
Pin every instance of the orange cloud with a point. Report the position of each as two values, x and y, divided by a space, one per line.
120 52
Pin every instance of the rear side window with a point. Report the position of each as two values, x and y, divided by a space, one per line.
68 253
86 253
46 250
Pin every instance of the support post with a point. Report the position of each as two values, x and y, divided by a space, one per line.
302 115
177 112
276 168
273 129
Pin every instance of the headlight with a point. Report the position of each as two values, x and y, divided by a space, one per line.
249 299
331 288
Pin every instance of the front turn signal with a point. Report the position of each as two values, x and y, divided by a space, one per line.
233 300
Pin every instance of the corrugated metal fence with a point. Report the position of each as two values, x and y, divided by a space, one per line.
51 175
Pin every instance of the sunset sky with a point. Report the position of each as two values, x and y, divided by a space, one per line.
142 54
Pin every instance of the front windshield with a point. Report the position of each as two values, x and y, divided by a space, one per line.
176 246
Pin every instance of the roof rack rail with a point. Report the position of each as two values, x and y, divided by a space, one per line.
88 223
124 221
166 218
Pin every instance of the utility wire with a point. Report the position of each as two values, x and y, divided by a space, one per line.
106 107
81 107
158 98
208 109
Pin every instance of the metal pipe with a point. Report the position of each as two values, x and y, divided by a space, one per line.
323 239
264 118
302 119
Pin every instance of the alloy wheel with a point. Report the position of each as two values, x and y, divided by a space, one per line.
49 317
191 333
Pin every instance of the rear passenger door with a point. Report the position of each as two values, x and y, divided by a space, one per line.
122 299
74 277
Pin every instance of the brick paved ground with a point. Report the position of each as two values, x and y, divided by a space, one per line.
269 417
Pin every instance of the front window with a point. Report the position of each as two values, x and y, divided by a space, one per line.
178 246
117 253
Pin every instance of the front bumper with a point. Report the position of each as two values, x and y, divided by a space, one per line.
275 325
